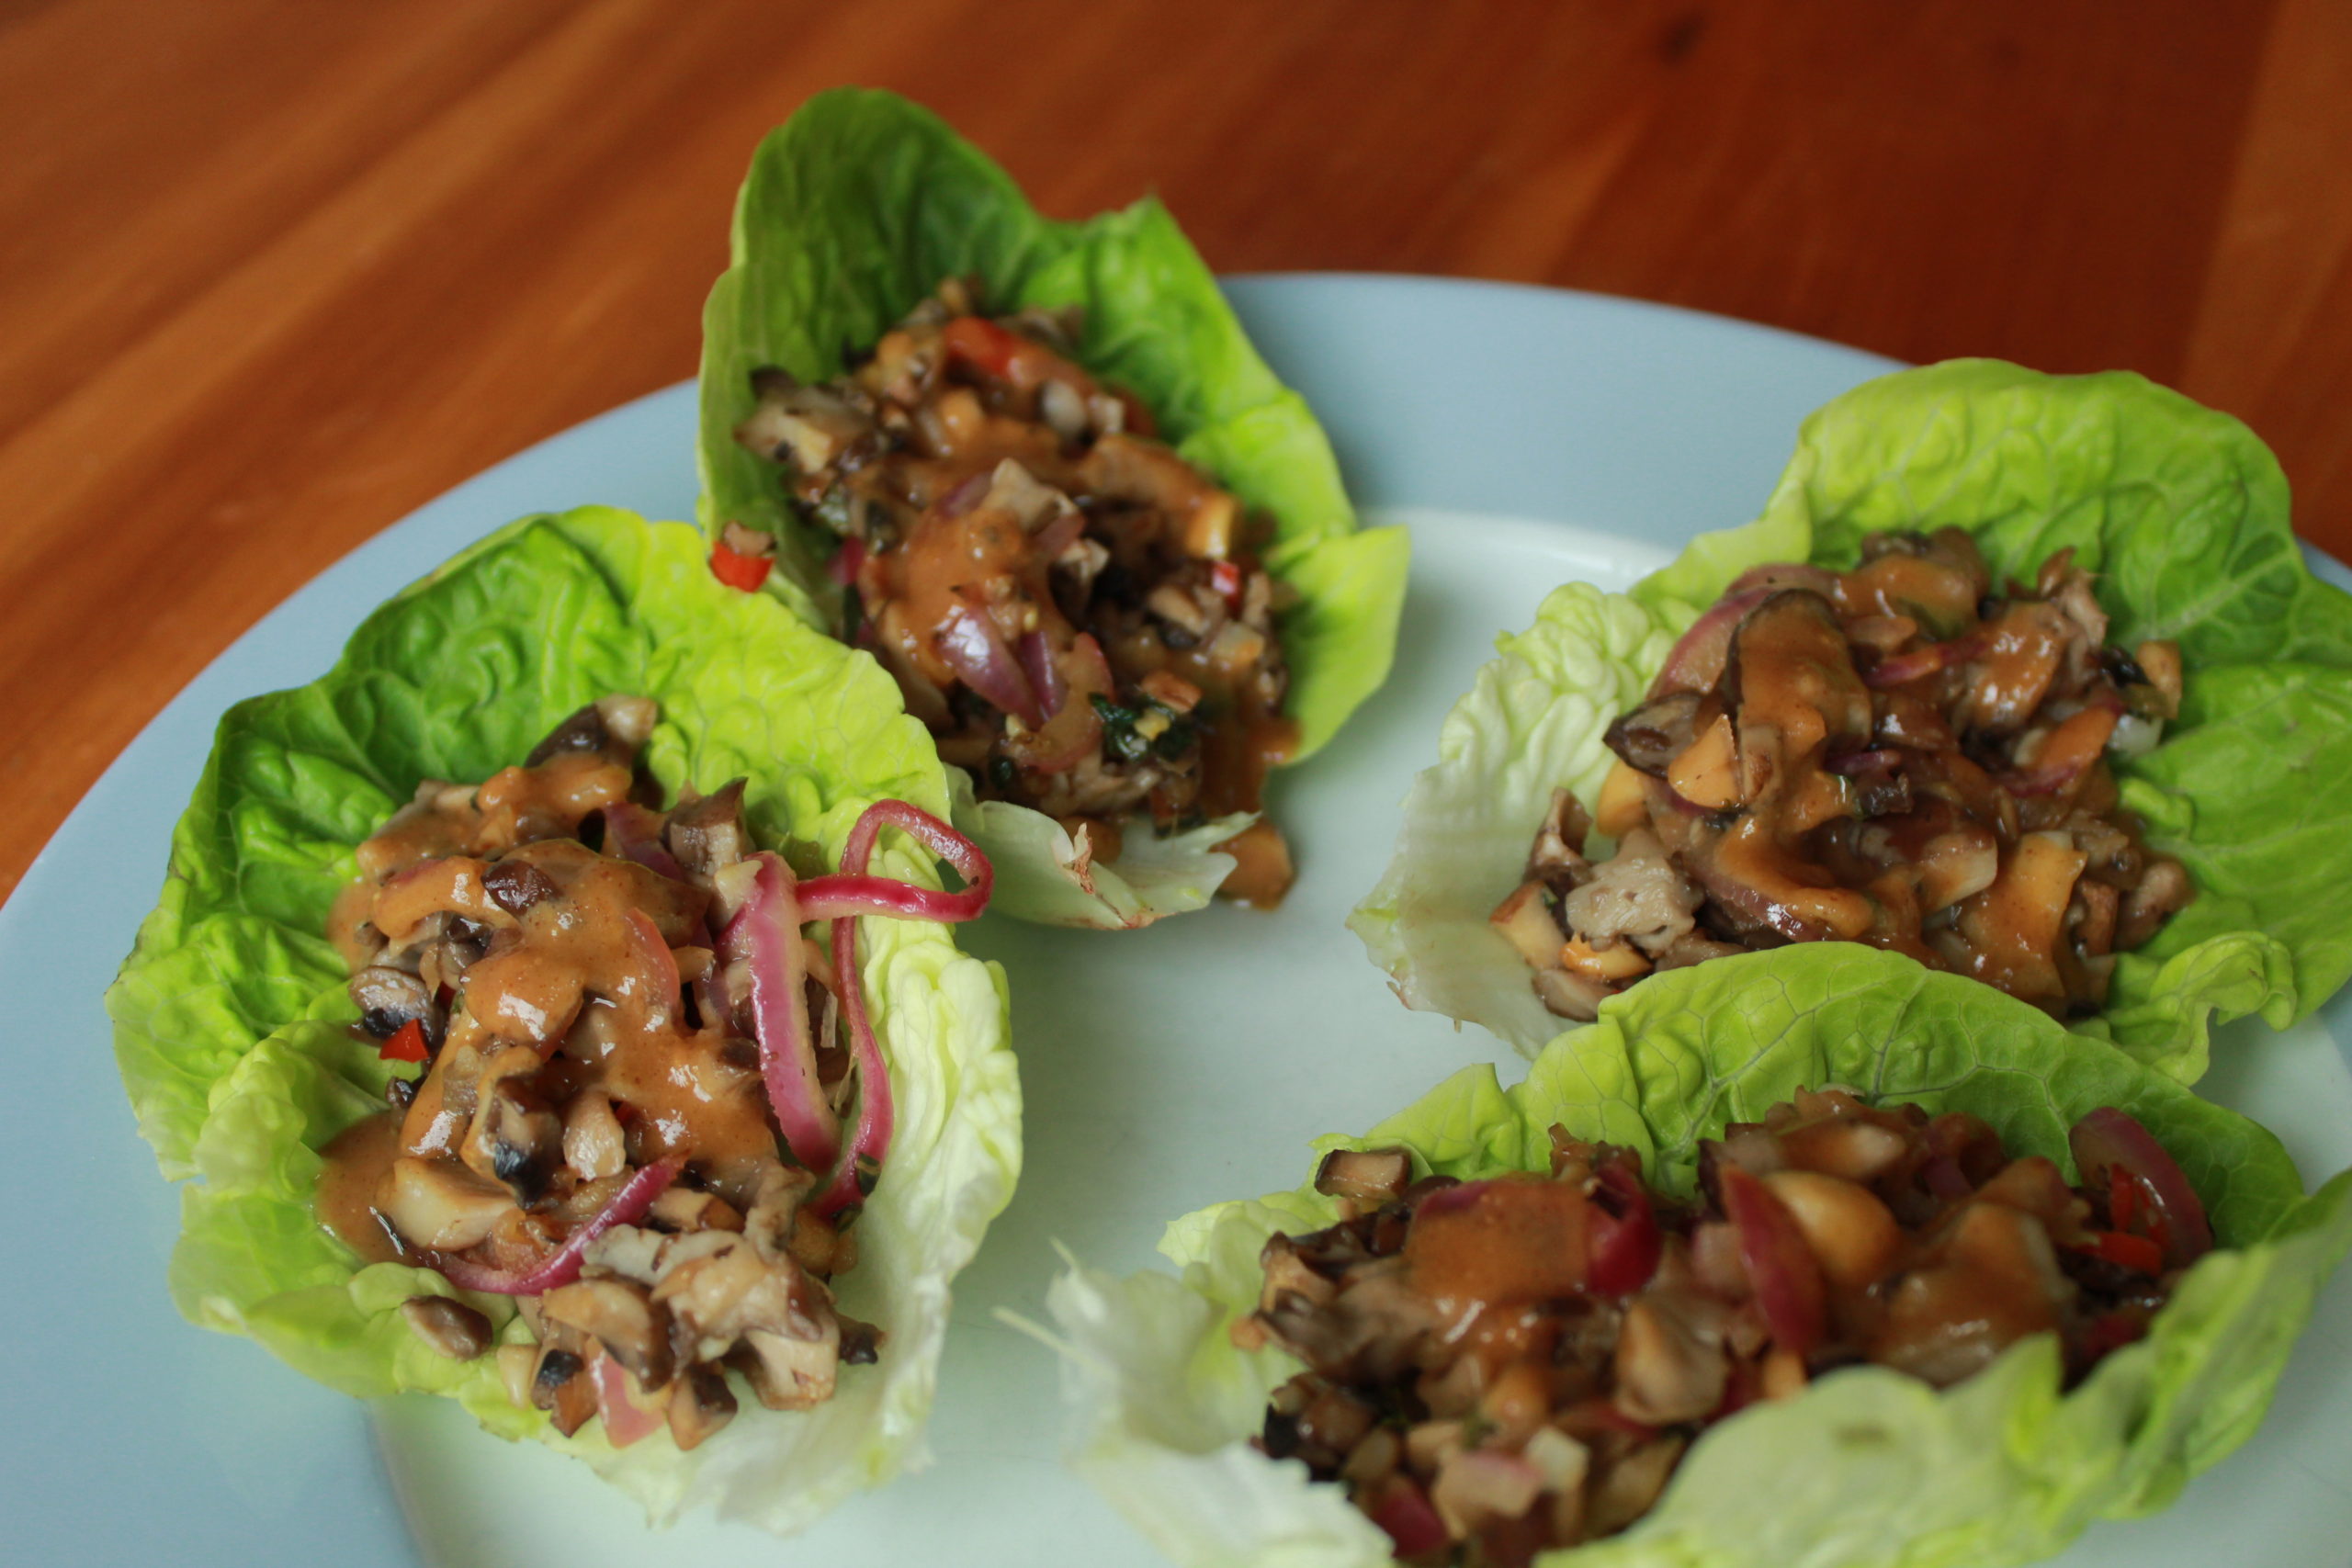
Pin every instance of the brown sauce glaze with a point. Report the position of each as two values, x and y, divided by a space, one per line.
1080 615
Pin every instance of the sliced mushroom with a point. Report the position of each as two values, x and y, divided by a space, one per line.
700 1403
517 884
1364 1176
706 833
449 1325
594 1145
618 1315
1667 1374
441 1204
787 1371
560 1386
515 1137
390 998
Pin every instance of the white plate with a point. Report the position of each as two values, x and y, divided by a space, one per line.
1563 435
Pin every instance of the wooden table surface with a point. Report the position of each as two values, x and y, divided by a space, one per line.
273 273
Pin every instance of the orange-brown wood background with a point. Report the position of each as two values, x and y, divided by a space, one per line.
275 272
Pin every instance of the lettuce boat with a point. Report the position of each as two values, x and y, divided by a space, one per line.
231 1017
1866 1465
2180 512
856 209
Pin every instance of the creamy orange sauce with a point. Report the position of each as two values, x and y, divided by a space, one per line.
357 1160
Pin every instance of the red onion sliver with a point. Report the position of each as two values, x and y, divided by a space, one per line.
970 642
846 561
1922 661
765 937
627 1207
1045 679
861 1164
1050 541
966 495
634 834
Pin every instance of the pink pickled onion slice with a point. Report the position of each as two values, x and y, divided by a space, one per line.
854 1178
765 937
630 1414
846 561
861 1166
853 892
628 1206
661 963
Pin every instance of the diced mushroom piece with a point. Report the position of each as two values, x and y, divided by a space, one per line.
1616 965
706 834
517 1365
2162 890
560 1386
1851 1234
787 1371
441 1204
594 1144
1557 858
449 1325
584 730
1364 1176
1665 1373
700 1403
1290 1276
1184 611
1994 1280
2159 661
630 1251
810 426
619 1315
1571 995
390 998
517 885
1649 739
1483 1485
1706 772
686 1209
514 1138
1525 921
1639 895
1625 1491
716 1297
1624 804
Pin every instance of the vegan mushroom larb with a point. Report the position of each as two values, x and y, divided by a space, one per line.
1898 754
649 1106
1078 614
1502 1366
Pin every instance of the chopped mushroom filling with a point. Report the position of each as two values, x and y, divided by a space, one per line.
1894 755
592 1133
1504 1367
1078 614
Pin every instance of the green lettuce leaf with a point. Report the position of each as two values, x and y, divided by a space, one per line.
230 1016
2181 510
1867 1466
853 211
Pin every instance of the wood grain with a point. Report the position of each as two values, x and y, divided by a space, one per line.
274 273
